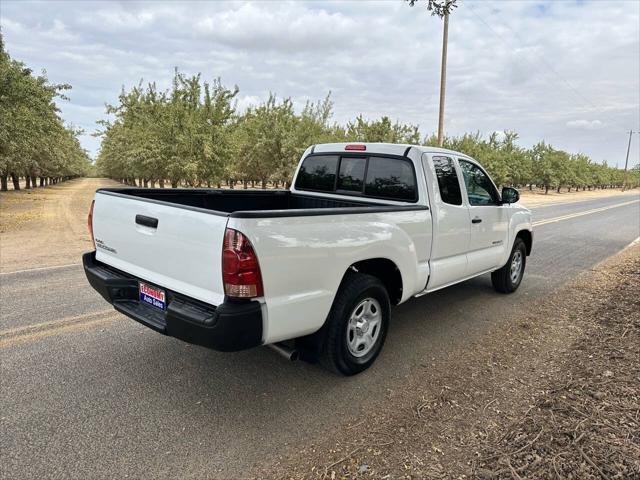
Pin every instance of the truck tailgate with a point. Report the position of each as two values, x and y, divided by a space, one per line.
183 252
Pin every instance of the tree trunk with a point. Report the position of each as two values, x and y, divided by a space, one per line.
42 181
153 183
27 182
219 184
161 182
245 184
569 190
34 181
264 184
546 189
146 183
16 181
174 184
559 187
3 183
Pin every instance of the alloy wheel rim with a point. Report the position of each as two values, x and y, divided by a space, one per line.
516 266
363 328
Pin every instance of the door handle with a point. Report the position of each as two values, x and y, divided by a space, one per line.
476 220
147 221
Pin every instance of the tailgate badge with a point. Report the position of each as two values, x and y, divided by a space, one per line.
100 244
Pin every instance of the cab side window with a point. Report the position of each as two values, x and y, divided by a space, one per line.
480 188
447 180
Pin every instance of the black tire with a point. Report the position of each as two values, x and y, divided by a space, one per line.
502 279
335 354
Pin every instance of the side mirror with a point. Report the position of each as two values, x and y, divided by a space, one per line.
510 195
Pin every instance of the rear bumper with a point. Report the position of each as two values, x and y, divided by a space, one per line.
228 327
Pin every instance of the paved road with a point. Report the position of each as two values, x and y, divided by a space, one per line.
87 393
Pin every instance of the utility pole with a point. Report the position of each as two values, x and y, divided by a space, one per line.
442 9
443 78
626 162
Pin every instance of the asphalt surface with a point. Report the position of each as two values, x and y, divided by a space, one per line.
88 393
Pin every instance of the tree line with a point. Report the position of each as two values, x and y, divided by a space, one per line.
35 144
193 135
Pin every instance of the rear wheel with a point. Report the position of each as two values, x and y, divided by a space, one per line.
357 325
508 278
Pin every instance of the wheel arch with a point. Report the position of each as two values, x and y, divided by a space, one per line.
527 238
384 270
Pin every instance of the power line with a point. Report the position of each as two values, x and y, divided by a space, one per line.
544 62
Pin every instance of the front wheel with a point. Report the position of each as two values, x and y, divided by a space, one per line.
508 278
357 325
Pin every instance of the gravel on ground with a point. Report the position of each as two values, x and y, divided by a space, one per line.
554 395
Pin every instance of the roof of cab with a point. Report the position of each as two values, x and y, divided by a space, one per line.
388 148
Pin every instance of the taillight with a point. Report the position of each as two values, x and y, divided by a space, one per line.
90 223
240 269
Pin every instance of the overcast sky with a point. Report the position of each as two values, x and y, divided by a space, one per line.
567 71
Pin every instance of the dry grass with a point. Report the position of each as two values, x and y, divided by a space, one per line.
552 393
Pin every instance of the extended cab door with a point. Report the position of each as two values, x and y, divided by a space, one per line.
488 219
451 226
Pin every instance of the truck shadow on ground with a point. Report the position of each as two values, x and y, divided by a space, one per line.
258 388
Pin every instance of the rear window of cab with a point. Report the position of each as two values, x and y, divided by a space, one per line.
389 178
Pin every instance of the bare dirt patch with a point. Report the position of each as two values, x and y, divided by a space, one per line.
538 197
553 392
46 226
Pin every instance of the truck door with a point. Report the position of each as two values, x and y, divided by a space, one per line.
488 220
451 227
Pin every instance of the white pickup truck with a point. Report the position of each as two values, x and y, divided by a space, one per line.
314 270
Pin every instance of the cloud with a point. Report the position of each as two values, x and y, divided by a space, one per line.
246 101
544 69
585 124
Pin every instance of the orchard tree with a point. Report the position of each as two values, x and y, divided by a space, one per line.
191 134
34 142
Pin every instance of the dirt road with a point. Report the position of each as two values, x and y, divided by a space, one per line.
46 226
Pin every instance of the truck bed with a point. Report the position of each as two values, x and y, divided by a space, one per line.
173 238
253 203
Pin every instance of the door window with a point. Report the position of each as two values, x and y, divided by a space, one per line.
447 180
480 188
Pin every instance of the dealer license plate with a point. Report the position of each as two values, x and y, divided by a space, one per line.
152 295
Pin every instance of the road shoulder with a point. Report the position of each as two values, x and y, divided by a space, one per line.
553 393
538 199
45 227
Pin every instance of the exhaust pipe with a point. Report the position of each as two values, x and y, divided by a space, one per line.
289 353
